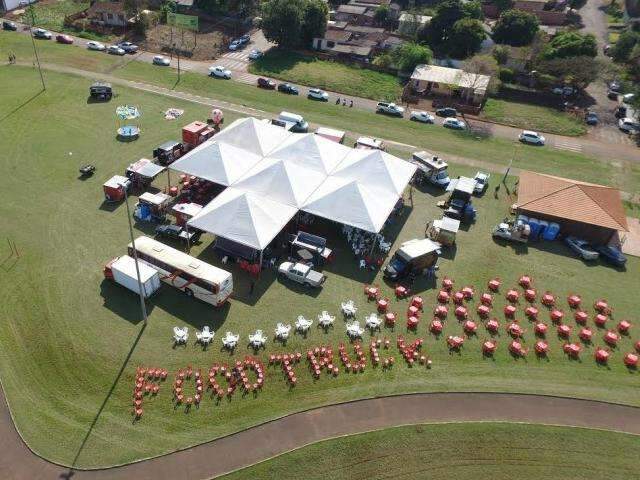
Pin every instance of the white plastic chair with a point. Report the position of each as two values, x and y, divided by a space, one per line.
373 322
354 330
302 324
282 331
230 340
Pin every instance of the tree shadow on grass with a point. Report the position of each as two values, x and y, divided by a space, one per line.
71 472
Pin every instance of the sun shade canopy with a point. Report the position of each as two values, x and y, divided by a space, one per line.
272 174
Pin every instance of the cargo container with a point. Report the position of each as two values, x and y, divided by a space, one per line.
122 270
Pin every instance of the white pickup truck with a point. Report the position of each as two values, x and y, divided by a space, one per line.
301 273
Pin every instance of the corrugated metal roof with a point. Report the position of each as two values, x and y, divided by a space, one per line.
571 199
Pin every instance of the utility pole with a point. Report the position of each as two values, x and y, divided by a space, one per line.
143 306
33 41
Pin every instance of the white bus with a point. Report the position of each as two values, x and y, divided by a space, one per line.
194 277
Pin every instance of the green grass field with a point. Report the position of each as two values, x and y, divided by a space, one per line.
51 16
460 452
475 145
333 76
71 340
533 117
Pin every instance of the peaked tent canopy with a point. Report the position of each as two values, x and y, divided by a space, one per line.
284 182
376 169
352 203
244 217
311 151
253 135
216 162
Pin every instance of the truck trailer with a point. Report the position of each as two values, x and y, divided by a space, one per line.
122 270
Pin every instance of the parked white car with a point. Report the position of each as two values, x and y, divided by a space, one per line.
317 94
115 50
389 109
99 47
220 72
42 33
235 45
161 60
532 138
255 54
424 117
454 123
628 125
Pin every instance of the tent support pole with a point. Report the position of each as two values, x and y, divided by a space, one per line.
373 245
168 180
186 229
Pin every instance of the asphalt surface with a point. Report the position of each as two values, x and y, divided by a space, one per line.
606 143
288 433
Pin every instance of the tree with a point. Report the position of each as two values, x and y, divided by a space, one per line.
571 44
483 65
501 54
408 55
577 4
282 21
503 5
473 9
466 38
579 71
622 49
437 32
516 28
314 24
381 15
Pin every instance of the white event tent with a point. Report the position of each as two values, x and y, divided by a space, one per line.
272 174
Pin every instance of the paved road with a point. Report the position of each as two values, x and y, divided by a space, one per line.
279 436
610 145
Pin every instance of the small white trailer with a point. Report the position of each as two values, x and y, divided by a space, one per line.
122 270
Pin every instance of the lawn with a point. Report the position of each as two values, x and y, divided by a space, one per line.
51 15
332 76
472 145
460 452
533 117
70 341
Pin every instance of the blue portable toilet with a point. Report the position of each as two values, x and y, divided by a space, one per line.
543 226
470 212
551 232
534 223
522 219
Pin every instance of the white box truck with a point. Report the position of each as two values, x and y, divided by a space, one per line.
122 270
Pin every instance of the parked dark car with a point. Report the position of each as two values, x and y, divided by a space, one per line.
244 39
621 111
591 118
101 91
176 232
288 88
611 255
446 112
266 83
7 25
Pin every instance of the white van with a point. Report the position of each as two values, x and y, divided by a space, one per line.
299 125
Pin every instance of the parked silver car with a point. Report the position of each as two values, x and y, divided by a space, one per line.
301 273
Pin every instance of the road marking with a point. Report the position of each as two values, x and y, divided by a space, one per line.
568 145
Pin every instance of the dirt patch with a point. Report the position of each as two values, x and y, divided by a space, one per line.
207 44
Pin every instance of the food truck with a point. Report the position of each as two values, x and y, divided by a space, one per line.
152 207
114 188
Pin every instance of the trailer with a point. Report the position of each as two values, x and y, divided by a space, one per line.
122 270
444 231
152 207
168 152
431 169
412 258
143 172
195 133
114 188
331 134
